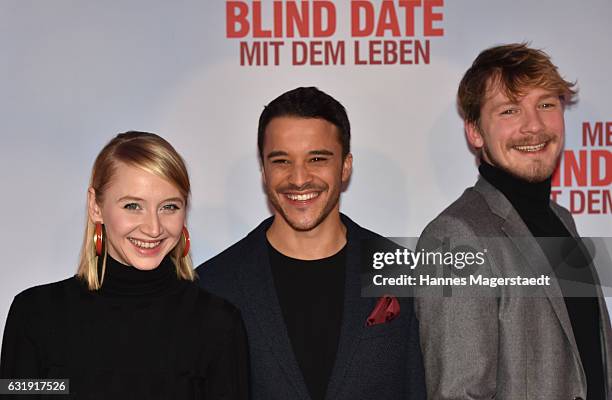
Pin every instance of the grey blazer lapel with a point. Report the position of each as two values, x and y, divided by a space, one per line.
518 233
258 286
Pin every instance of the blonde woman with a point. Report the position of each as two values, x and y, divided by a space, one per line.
131 323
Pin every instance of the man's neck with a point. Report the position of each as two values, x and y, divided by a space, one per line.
325 240
526 197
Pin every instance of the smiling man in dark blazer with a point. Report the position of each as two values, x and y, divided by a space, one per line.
544 342
296 278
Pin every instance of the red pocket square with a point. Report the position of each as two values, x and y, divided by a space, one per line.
387 308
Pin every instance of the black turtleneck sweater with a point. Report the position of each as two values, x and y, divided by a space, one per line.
143 335
532 202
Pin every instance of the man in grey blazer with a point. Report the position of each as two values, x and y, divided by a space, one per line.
296 277
514 342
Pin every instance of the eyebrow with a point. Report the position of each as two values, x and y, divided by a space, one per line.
321 152
132 198
276 153
549 96
174 199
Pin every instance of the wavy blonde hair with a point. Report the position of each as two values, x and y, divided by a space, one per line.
153 154
516 68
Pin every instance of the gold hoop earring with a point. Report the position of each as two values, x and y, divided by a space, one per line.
98 238
186 241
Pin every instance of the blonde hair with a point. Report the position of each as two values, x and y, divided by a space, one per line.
153 154
516 68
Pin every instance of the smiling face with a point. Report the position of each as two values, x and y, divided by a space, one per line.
143 216
523 138
303 170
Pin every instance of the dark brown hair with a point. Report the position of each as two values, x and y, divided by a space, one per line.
306 102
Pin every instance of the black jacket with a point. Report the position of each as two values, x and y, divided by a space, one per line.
378 362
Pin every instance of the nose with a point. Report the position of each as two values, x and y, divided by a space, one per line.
299 175
532 122
151 226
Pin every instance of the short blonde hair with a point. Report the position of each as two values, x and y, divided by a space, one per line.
153 154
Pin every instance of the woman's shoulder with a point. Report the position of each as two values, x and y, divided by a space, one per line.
48 294
211 301
212 307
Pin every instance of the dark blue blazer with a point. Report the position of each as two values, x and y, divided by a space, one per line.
378 362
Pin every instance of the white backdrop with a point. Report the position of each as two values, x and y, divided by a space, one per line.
75 73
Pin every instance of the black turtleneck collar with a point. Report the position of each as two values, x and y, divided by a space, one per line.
126 281
531 200
526 197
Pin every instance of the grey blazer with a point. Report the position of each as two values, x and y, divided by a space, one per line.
501 346
376 362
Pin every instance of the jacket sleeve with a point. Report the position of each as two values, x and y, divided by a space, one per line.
458 332
20 357
229 372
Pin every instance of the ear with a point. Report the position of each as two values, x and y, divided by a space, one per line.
263 173
347 167
93 209
473 135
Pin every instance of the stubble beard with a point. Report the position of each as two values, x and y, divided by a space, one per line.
534 171
296 225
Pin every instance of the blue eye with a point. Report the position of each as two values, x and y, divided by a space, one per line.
132 206
509 111
171 207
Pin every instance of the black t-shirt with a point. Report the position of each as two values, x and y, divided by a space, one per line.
311 295
144 334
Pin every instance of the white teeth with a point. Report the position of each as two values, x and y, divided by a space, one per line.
302 197
531 148
144 245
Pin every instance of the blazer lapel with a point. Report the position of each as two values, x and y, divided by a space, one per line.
355 312
258 285
518 233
